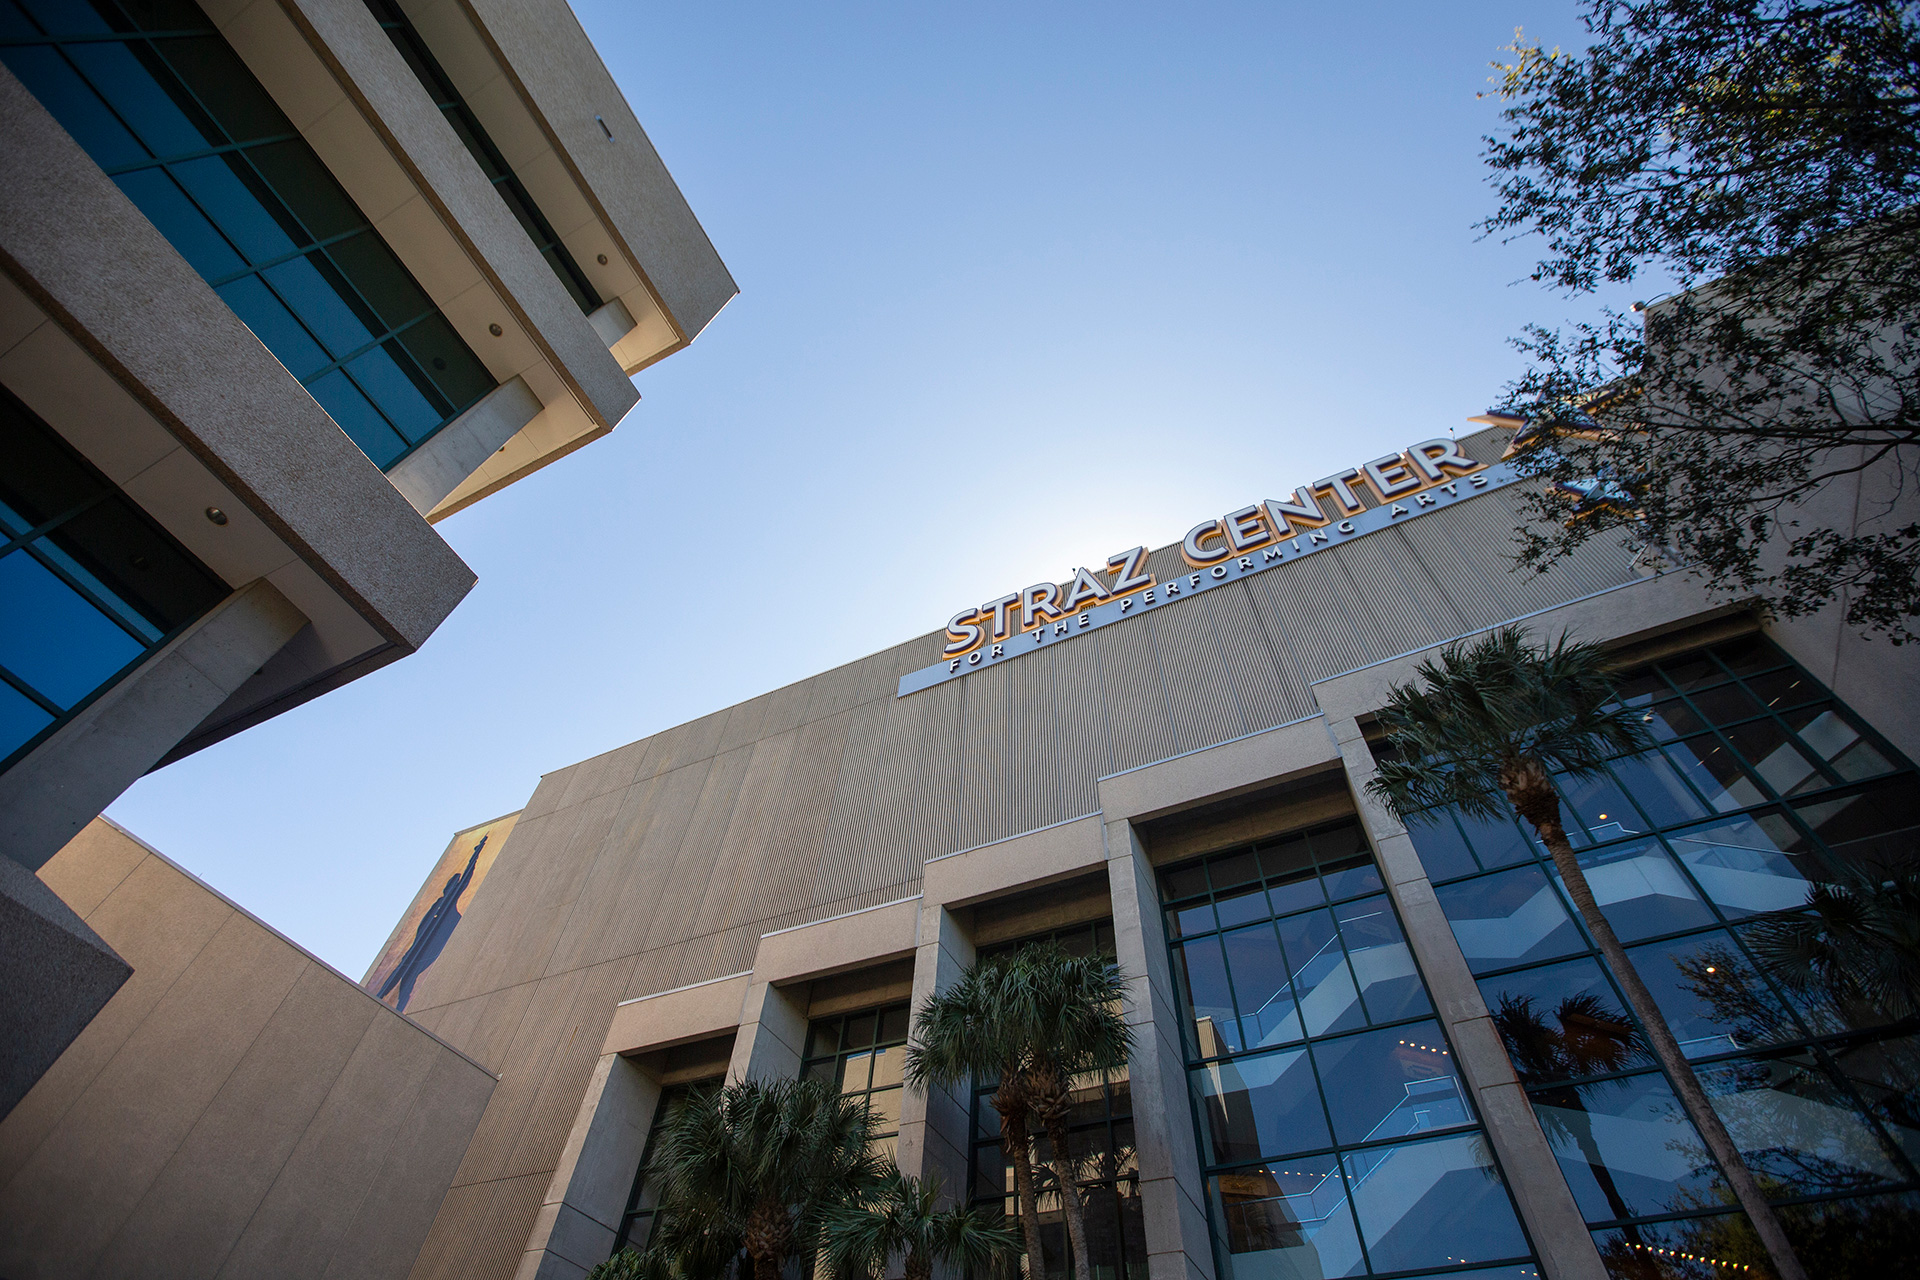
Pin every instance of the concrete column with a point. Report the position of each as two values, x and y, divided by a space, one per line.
1546 1204
64 784
934 1138
771 1042
1171 1193
580 1218
457 450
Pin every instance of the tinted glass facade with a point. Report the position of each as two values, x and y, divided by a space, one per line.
1336 1138
89 585
1100 1128
643 1202
440 88
163 104
1762 784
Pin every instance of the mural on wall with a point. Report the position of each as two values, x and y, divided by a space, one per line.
436 912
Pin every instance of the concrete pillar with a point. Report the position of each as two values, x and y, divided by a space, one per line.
64 784
1172 1196
934 1137
1560 1239
771 1042
580 1217
454 452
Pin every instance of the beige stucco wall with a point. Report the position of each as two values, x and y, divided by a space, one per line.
238 1109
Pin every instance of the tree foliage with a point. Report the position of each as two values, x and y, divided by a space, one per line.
1762 159
1856 942
902 1218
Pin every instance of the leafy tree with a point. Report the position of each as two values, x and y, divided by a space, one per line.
1857 941
762 1162
1033 1021
1493 722
1762 158
902 1218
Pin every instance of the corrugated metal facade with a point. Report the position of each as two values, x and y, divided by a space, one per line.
662 863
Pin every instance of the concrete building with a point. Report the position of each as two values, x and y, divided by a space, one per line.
1362 1049
281 284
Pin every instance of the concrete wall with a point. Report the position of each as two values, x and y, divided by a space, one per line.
238 1109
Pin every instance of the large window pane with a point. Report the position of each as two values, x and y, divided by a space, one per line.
1562 1021
1797 1129
1390 1083
1322 983
53 638
1265 1105
1286 1220
1511 917
20 718
1875 828
1427 1204
1626 1147
1212 1024
1885 1074
1715 772
1750 864
1390 986
1267 1014
1641 891
1443 850
1713 1000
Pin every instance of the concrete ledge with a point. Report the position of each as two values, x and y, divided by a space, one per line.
885 932
457 450
1018 862
1257 760
679 1016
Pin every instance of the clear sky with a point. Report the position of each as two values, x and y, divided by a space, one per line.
1021 286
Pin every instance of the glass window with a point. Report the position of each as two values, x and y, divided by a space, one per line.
1763 785
198 145
862 1055
1298 1139
89 585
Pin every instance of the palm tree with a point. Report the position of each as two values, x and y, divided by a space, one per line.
1497 719
762 1162
901 1218
961 1036
1857 940
1035 1021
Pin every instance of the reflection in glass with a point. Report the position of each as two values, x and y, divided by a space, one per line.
1265 1105
1287 1219
1512 917
1390 987
1886 1075
1799 1132
1594 1035
1750 864
1431 1203
1641 891
1626 1147
1260 982
1715 772
1390 1083
1322 982
1203 981
1713 1000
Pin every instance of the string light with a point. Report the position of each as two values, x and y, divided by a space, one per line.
1429 1048
1689 1257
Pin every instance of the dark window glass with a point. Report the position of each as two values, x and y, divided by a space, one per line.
1641 890
89 585
1508 918
1391 1083
519 201
1431 1203
862 1054
200 147
1626 1147
1563 1021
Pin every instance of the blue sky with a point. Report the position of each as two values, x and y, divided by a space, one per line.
1021 286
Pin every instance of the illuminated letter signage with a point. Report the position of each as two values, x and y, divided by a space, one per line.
1423 478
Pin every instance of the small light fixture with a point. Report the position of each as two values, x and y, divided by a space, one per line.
216 515
495 330
602 122
1637 307
603 259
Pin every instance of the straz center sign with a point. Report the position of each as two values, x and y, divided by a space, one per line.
1426 477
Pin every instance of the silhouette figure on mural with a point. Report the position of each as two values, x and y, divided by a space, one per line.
435 927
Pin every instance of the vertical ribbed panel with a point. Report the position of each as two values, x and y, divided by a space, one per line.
893 794
1135 694
846 841
1270 691
1460 565
1032 762
1199 692
983 747
939 782
1308 602
1083 742
1391 612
